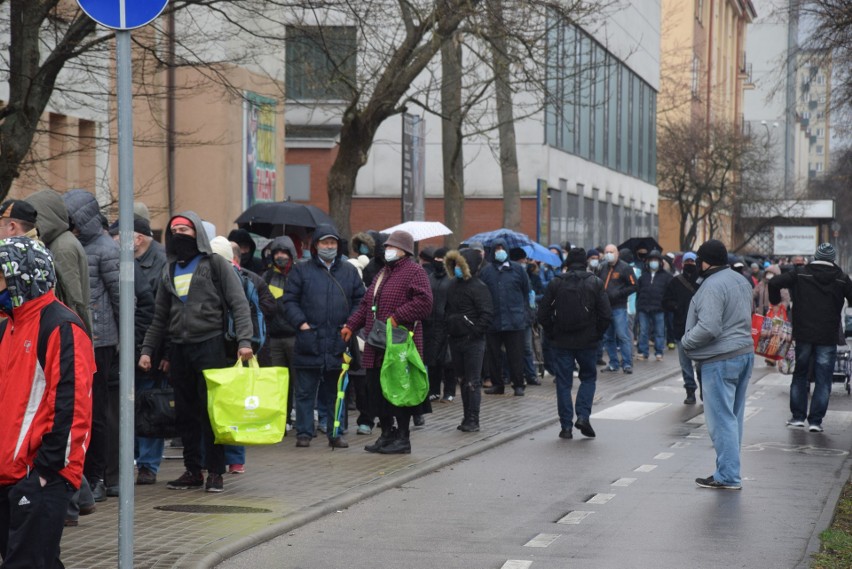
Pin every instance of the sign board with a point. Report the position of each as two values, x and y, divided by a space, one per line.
123 14
413 168
260 156
794 240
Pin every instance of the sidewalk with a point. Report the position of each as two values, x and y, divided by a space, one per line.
285 487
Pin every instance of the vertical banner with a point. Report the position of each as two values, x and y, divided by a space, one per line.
260 155
413 168
542 209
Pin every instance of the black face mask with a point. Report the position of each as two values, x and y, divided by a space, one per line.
690 270
438 266
246 259
184 247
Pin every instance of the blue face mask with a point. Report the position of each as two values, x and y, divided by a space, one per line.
654 265
6 300
363 249
501 256
458 273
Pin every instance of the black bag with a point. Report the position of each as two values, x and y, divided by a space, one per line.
574 304
378 337
155 413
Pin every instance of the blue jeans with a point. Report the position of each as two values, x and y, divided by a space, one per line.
529 364
686 368
149 452
657 318
308 382
725 384
823 361
617 338
235 454
563 361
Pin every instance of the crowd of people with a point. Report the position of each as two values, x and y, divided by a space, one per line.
484 318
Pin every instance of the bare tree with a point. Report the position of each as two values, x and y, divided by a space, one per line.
830 40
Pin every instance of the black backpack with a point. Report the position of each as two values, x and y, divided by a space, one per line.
574 303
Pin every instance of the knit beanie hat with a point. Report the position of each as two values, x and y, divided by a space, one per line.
713 252
825 252
222 247
576 256
592 253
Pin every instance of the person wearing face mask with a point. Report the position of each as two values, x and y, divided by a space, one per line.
510 294
322 293
649 306
400 293
436 354
593 261
247 249
619 283
676 299
468 314
761 292
361 251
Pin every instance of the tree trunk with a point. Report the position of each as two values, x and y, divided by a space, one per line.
356 137
505 120
452 153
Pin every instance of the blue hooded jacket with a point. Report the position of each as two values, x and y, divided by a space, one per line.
510 292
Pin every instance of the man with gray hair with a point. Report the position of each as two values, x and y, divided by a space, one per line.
817 291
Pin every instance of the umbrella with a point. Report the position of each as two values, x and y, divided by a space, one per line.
420 230
513 239
340 402
634 243
538 252
263 218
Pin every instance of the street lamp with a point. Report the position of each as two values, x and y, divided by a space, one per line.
768 133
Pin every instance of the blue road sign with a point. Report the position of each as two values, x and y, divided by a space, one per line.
123 14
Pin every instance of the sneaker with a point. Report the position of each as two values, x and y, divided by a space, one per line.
236 469
447 398
338 442
145 476
419 421
214 483
795 423
814 428
671 345
659 357
434 397
566 434
628 370
303 441
364 430
609 369
187 481
711 482
641 357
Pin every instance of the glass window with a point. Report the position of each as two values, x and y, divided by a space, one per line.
652 139
636 117
624 121
585 103
599 131
569 88
612 113
320 62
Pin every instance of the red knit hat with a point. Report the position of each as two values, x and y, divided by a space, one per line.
180 220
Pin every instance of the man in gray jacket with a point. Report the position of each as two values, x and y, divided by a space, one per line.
192 298
718 339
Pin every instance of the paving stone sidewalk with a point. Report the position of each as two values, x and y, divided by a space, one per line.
285 487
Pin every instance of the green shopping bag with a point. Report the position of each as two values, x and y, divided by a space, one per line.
404 380
247 405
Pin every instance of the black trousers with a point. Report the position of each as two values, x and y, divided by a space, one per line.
186 373
515 343
96 456
31 522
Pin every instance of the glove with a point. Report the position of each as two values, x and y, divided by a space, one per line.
393 322
346 334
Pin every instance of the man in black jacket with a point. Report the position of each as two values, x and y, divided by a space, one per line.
575 312
676 298
619 283
649 305
817 291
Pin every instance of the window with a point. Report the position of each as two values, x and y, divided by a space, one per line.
320 62
819 149
696 67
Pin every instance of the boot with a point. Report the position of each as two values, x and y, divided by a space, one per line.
401 444
465 395
496 390
384 439
690 397
475 399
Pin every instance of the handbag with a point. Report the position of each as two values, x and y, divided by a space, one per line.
378 336
404 380
155 413
247 405
772 334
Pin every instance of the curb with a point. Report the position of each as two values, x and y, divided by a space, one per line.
827 515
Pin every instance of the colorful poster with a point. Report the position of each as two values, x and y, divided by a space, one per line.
260 154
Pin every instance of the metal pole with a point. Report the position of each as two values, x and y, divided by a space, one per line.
791 124
127 293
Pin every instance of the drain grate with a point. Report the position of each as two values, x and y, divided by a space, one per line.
211 509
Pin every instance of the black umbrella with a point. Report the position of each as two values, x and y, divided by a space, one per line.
274 218
634 243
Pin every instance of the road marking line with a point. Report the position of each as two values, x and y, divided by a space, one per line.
624 482
645 468
543 540
680 444
664 456
600 498
574 517
630 410
516 564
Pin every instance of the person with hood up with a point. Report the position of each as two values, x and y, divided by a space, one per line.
102 255
510 294
399 293
468 315
247 248
361 252
322 293
817 291
192 298
436 354
676 299
46 382
282 335
575 313
649 304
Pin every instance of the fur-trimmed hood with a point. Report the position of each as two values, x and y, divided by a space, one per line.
468 260
362 238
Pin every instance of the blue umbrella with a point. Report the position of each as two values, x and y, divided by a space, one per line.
512 239
538 252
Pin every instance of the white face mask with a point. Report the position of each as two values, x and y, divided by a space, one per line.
594 263
391 255
609 257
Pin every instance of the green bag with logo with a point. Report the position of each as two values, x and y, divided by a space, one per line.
404 380
247 404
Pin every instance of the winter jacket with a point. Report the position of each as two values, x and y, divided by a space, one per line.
69 257
144 311
718 324
761 291
377 263
367 241
324 298
102 253
584 338
45 381
817 292
510 293
214 285
152 263
676 300
435 327
652 288
404 293
619 282
278 325
469 310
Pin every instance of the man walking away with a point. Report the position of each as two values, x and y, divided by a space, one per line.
718 338
676 299
817 291
575 313
619 284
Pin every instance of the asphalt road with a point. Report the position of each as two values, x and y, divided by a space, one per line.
624 499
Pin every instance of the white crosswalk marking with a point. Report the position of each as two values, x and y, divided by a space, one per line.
517 564
624 482
664 456
630 410
600 498
645 468
574 517
543 540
